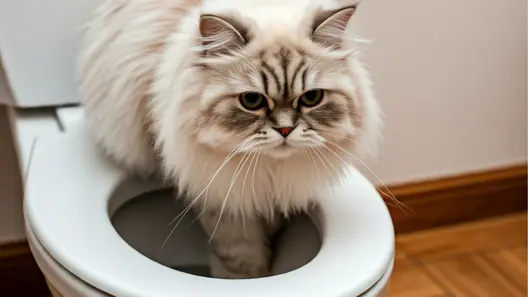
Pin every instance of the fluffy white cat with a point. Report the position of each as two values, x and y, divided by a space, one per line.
247 106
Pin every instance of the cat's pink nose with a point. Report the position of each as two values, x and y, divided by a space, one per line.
284 131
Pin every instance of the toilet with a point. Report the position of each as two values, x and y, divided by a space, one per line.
96 231
73 192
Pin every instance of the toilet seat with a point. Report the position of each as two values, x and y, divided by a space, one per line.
68 187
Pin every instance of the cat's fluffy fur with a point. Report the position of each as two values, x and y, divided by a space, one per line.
160 81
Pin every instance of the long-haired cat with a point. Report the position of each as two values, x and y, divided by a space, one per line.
247 106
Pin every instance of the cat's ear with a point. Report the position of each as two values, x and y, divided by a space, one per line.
329 27
221 36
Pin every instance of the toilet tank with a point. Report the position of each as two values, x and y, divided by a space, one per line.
38 44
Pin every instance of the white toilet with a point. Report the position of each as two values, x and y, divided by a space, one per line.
95 231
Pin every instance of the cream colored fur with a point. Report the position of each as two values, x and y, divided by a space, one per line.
146 101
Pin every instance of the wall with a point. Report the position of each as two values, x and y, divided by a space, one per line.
11 223
451 77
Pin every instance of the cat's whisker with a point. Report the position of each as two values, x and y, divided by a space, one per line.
253 178
243 222
238 169
313 162
331 133
240 166
189 207
320 159
389 203
338 156
315 143
181 216
349 138
203 210
313 149
391 196
253 155
382 192
328 161
226 160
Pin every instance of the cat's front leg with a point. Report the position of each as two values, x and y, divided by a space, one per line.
239 246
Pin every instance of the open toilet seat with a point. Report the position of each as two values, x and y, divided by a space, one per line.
68 187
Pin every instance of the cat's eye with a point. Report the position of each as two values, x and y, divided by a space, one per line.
311 98
252 100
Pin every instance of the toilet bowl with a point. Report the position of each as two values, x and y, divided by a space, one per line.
92 235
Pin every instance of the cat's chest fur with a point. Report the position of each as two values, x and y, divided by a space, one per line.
255 183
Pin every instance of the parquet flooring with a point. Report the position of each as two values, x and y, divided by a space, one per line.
479 259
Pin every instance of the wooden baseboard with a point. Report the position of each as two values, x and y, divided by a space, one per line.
433 203
458 199
19 273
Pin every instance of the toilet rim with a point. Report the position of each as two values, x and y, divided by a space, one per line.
61 207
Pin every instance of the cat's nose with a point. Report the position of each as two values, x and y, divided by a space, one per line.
284 131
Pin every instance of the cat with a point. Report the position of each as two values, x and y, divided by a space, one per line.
246 106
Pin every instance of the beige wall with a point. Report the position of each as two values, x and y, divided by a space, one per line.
451 77
11 226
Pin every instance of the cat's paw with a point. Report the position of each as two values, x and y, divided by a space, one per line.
239 269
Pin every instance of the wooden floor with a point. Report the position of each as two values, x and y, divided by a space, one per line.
482 259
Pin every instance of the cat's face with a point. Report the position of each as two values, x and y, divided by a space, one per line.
281 97
281 102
